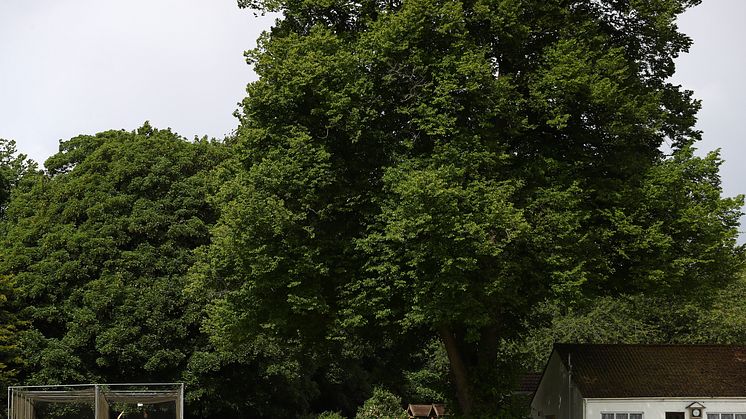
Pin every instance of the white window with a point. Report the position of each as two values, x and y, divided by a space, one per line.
626 415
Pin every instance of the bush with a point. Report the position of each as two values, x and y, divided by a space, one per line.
381 405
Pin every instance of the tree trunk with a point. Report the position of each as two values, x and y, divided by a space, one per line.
458 368
487 351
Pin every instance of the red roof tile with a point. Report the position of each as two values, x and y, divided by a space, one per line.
427 410
419 410
630 371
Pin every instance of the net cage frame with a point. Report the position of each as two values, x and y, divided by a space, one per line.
22 399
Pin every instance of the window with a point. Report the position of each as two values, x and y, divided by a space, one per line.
626 415
726 416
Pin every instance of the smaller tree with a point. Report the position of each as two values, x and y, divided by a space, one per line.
98 247
382 404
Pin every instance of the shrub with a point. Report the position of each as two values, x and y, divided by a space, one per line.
381 405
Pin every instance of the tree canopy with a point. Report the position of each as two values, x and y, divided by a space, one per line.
442 167
98 247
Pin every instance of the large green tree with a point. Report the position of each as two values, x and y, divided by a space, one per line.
439 167
98 247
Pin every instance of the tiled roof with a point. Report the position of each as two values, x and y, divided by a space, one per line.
529 382
630 371
418 410
427 410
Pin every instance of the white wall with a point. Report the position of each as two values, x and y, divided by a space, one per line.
556 395
656 408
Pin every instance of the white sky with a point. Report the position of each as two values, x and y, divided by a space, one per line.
82 66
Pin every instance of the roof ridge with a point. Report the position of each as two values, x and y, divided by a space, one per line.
724 345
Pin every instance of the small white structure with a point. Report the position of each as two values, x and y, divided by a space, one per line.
96 400
642 382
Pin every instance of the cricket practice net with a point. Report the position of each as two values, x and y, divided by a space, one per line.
97 401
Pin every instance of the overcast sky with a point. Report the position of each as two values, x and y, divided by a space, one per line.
82 66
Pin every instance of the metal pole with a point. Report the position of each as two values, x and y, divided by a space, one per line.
182 401
9 403
95 403
142 384
569 385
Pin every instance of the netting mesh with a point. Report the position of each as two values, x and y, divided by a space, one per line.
97 401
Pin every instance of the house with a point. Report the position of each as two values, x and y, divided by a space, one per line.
426 411
642 382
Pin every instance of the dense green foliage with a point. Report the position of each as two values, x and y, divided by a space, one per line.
12 169
98 248
421 196
419 168
382 404
10 359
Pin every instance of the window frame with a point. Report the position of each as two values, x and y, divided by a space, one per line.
619 412
720 414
